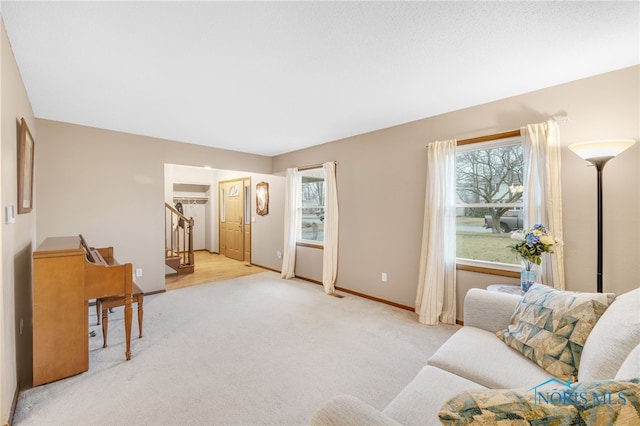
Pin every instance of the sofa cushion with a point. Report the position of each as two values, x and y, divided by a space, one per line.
604 402
612 339
418 403
489 310
481 357
346 410
630 368
551 326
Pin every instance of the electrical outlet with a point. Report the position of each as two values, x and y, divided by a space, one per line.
138 272
384 277
279 254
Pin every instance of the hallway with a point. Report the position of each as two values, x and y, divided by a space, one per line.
211 267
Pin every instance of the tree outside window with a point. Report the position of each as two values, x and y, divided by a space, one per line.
312 199
489 189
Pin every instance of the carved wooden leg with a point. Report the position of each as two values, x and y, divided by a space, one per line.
140 300
98 311
105 326
127 324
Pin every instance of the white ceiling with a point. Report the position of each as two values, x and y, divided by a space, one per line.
273 77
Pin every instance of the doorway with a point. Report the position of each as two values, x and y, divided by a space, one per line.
235 219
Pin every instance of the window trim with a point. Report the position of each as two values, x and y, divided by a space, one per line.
487 138
301 242
304 243
500 269
484 267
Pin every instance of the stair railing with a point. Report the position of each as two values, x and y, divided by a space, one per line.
178 236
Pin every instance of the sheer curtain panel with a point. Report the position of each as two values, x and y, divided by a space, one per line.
543 197
291 221
330 254
436 297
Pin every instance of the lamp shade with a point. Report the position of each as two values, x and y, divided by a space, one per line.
601 149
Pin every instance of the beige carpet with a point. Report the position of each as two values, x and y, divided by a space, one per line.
250 351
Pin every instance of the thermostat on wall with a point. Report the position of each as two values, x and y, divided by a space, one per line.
9 214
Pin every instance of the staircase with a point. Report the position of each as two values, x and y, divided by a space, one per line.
178 241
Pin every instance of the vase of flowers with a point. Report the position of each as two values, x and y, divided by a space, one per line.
530 246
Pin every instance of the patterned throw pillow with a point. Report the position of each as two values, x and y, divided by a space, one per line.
588 403
551 326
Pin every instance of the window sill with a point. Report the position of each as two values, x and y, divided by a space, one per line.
491 268
311 245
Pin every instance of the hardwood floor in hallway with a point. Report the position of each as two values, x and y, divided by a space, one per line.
211 267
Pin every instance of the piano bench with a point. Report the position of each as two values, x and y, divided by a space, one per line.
107 303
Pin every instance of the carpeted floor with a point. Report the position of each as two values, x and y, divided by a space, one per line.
255 350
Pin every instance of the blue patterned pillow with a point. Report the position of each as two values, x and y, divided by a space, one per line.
551 326
590 403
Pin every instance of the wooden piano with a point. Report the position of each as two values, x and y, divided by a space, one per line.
67 273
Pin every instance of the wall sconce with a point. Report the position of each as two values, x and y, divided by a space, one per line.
262 198
598 153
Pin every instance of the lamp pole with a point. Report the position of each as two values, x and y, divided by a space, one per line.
599 164
598 153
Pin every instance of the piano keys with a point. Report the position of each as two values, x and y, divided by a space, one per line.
67 273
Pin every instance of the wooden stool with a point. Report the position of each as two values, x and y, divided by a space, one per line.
107 303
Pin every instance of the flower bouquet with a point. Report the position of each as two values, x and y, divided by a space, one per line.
530 246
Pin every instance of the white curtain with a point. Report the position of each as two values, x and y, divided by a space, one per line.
292 193
436 297
543 192
330 254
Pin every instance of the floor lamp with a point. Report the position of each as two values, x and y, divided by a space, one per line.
598 153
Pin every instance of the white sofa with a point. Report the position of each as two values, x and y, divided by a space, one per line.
475 358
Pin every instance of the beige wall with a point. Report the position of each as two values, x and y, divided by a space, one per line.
17 238
381 186
268 231
110 187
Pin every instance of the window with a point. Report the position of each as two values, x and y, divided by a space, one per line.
312 196
489 201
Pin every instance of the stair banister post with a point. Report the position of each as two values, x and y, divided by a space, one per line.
191 256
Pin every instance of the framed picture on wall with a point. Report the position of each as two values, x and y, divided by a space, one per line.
262 198
26 146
